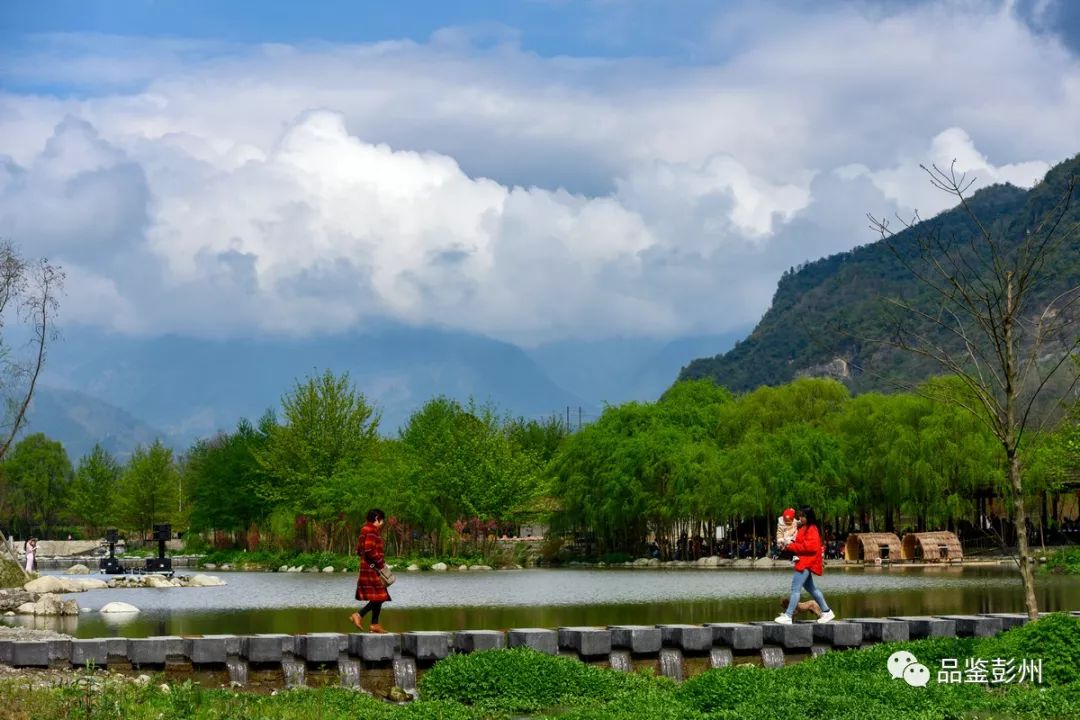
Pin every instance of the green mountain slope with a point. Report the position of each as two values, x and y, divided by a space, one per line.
829 317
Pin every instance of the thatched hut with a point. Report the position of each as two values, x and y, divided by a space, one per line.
942 546
868 547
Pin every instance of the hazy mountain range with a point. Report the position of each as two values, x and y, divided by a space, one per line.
123 391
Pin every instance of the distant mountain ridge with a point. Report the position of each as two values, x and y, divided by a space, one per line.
124 391
824 313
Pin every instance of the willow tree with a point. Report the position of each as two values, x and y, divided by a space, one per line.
993 312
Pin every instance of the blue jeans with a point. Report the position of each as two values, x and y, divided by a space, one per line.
800 580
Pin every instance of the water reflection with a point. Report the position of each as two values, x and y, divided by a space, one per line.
295 603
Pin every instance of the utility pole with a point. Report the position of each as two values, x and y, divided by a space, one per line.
579 418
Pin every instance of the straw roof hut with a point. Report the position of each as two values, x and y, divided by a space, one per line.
867 547
942 546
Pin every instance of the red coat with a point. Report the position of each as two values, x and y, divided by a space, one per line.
808 549
369 547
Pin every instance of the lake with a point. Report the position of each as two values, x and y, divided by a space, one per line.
256 602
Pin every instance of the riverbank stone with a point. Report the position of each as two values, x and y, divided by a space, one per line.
975 625
789 637
467 641
585 641
426 646
688 638
540 639
839 634
1008 620
265 647
638 639
321 647
89 652
737 636
374 648
926 626
882 629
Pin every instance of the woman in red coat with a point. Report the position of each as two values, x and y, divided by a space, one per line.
369 586
809 554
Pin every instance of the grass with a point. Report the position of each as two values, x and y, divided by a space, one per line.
848 685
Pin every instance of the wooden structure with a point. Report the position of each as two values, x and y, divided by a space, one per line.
871 547
940 546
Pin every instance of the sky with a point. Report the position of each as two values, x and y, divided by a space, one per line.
532 171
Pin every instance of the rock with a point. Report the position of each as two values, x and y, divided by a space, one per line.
91 583
711 561
226 566
48 585
283 568
413 568
480 567
641 561
157 581
210 566
296 568
328 569
142 679
119 607
311 569
78 569
463 567
25 609
164 687
9 614
396 694
653 562
439 567
49 604
11 599
205 581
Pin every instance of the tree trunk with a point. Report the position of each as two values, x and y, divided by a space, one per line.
1026 572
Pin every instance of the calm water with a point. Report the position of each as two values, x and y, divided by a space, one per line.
312 602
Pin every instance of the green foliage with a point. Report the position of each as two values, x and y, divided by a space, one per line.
522 680
1054 638
37 475
1063 561
93 493
224 480
149 488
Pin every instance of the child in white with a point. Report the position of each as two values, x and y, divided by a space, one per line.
786 528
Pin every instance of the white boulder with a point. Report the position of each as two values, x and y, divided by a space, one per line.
328 569
205 581
119 607
157 581
439 567
413 568
79 569
283 568
480 567
49 584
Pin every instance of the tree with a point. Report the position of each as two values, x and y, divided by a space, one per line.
224 478
39 474
93 493
29 296
149 487
310 460
986 315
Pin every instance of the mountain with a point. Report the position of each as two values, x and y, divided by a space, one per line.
827 317
79 421
190 388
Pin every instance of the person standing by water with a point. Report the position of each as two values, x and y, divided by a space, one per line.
369 585
30 548
809 552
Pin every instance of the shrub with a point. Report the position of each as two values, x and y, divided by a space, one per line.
1055 639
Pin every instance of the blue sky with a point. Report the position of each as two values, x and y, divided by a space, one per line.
533 171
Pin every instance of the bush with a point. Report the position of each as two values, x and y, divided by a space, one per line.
1063 562
1055 639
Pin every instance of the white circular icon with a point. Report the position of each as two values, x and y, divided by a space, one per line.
917 675
898 661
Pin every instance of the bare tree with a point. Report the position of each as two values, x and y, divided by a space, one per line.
29 296
990 317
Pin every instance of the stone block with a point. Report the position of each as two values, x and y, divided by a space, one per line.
5 651
925 626
540 639
585 641
93 652
321 647
266 647
797 635
426 646
373 648
1008 620
688 638
59 650
638 639
211 649
467 641
117 649
737 636
975 625
882 630
30 653
839 634
150 651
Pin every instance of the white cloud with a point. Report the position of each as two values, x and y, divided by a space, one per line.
311 188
